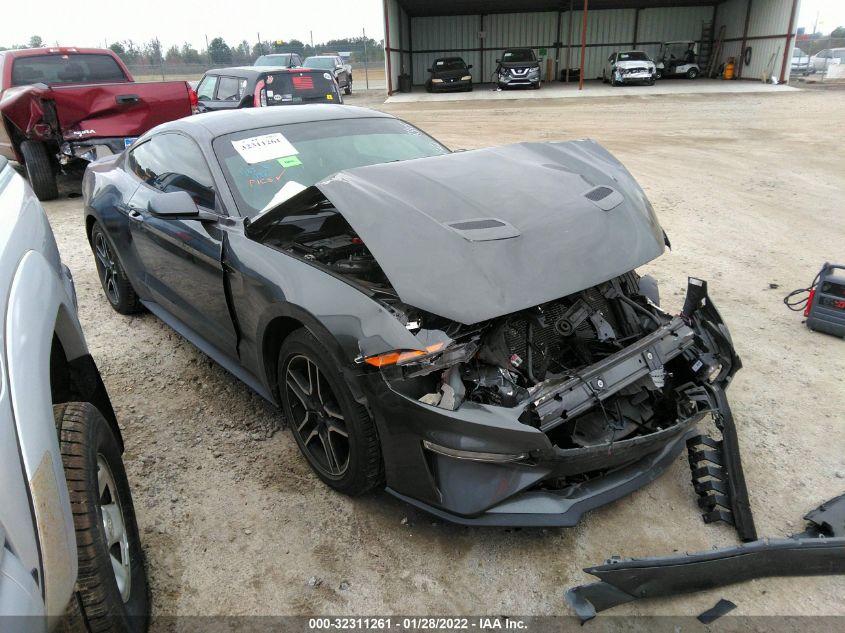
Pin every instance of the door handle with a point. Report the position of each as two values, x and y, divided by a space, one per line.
126 99
135 215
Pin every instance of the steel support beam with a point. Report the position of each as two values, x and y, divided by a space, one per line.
741 63
789 37
584 45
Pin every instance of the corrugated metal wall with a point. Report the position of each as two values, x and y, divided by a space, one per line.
607 31
768 18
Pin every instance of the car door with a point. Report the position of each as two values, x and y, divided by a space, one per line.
340 73
206 89
229 94
181 259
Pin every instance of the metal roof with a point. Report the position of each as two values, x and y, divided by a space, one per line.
418 8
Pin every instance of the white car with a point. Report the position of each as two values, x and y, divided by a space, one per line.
69 546
629 67
824 58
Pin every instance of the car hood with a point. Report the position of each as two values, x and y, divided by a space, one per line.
534 64
450 74
475 235
634 63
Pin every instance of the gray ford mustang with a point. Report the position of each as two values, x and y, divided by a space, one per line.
434 322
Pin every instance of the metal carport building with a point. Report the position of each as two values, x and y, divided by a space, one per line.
761 32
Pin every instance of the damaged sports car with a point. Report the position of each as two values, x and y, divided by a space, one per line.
482 347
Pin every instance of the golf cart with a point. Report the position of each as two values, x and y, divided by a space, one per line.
678 59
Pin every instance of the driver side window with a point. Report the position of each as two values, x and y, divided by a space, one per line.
172 162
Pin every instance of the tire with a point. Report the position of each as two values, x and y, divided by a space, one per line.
348 89
92 462
692 73
39 170
322 413
658 74
116 285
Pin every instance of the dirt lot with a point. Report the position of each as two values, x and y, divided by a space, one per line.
749 189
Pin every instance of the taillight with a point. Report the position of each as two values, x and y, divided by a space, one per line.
192 97
809 302
259 98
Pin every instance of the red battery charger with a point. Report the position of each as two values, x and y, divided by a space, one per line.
824 305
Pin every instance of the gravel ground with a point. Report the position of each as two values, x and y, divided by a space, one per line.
749 189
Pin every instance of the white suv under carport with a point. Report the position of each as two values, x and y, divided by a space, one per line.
69 546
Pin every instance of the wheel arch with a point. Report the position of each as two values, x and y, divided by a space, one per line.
74 376
280 321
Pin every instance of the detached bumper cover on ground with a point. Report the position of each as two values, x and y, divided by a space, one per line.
820 550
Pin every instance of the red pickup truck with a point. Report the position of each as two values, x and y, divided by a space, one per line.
62 107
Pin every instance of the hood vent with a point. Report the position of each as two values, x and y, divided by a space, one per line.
604 198
483 229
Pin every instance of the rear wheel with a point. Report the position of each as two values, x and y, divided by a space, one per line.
335 433
692 73
348 89
112 582
39 170
116 285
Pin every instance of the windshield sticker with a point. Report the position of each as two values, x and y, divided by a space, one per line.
290 161
258 149
326 76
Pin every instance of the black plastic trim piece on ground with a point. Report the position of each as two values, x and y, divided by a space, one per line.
717 473
715 612
820 550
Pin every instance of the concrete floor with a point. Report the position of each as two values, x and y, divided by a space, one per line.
593 88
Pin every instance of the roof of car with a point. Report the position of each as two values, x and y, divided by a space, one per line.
254 71
324 55
55 50
213 124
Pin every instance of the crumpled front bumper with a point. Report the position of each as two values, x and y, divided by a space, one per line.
481 465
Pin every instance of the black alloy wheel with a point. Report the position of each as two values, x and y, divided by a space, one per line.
116 285
335 433
316 418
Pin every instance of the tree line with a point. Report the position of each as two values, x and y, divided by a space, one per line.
219 52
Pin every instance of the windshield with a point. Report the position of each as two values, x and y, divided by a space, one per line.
633 56
273 60
319 62
65 69
449 64
258 163
519 55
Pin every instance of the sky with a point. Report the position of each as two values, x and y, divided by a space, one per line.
95 22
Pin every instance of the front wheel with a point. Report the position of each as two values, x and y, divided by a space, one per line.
112 582
692 73
348 89
39 170
659 74
334 432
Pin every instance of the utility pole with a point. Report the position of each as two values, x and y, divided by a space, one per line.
313 52
260 45
207 50
366 74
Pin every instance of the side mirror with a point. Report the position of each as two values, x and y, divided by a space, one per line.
175 205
